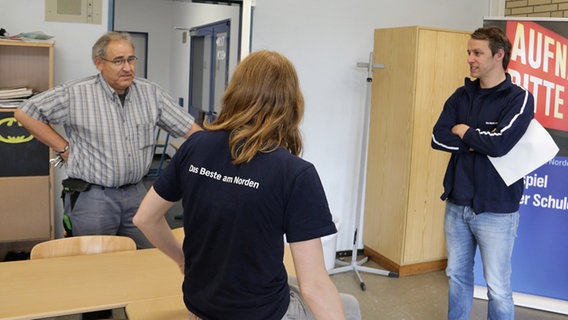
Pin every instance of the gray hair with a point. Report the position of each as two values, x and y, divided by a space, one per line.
100 47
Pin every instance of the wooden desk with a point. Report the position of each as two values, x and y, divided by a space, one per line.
41 288
173 308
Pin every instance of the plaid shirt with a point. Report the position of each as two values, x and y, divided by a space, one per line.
111 145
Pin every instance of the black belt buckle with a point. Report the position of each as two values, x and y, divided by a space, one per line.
75 185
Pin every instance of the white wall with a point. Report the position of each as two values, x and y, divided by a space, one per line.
154 18
168 57
324 38
189 15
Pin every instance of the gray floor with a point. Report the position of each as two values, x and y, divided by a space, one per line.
421 297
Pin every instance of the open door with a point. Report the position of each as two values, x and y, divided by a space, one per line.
209 69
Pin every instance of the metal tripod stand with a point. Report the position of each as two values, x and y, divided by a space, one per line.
355 265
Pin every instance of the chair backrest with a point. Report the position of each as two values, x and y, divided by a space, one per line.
79 245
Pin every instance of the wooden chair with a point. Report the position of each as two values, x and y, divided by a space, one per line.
79 245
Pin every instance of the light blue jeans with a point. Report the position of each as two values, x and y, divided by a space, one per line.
495 235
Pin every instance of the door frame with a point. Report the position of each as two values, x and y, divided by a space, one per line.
198 34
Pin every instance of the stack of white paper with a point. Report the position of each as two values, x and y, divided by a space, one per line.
13 97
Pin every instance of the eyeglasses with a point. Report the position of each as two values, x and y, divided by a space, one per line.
119 62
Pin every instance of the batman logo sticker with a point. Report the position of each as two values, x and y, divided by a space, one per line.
11 131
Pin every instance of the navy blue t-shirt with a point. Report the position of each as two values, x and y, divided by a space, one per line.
235 217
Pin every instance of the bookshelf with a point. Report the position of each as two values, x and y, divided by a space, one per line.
26 195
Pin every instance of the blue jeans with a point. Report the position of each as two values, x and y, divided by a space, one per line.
495 234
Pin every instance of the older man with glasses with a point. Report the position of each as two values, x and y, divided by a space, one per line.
110 121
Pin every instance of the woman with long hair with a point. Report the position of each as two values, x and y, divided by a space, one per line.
243 187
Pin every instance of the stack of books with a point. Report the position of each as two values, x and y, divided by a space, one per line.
12 98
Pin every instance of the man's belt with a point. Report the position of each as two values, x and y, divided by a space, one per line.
78 185
124 186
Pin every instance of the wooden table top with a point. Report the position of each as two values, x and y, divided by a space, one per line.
33 289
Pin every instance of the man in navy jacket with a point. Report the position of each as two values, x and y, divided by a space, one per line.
485 117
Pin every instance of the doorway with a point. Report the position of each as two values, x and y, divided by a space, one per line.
209 69
140 41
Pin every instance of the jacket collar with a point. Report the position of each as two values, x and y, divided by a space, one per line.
471 86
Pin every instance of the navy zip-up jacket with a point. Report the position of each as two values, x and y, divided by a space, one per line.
498 117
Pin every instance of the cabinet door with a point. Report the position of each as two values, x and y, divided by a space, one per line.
390 141
25 207
441 68
403 211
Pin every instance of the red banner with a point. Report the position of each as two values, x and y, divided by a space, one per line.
538 63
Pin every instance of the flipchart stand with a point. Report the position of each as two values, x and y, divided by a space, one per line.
355 265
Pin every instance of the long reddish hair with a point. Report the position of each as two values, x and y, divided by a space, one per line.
262 107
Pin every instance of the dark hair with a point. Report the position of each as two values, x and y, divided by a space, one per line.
497 40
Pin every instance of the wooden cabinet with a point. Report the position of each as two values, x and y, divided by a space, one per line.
26 199
404 216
